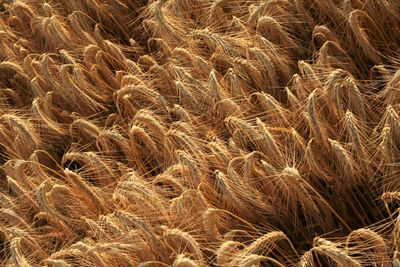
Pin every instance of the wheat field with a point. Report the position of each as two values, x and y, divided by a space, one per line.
200 133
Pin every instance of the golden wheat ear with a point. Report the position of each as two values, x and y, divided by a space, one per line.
357 19
317 129
357 143
328 252
366 241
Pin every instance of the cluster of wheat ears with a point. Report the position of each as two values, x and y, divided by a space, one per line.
199 133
